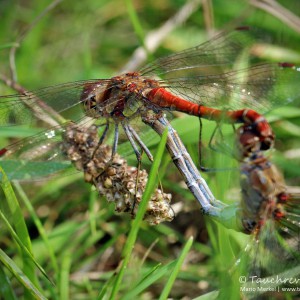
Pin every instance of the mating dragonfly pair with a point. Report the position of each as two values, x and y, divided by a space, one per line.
202 81
206 81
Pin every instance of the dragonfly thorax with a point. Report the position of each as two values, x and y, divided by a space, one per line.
122 97
262 189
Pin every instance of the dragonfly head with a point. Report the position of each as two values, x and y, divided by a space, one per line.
248 142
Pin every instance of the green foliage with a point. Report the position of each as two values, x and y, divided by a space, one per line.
58 239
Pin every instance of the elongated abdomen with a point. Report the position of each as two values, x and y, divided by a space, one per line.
166 100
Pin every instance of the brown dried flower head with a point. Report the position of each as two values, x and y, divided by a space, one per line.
112 177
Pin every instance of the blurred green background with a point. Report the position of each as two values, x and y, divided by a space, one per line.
96 39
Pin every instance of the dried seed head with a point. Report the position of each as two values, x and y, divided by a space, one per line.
112 177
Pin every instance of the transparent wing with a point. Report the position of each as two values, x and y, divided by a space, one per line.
261 87
271 258
42 155
35 157
21 108
218 53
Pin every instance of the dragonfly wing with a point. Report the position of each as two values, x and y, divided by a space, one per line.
62 99
218 53
268 261
261 87
35 157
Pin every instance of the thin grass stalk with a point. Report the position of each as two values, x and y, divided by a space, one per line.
129 245
16 217
168 287
39 226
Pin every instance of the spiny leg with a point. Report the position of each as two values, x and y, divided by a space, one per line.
136 141
138 168
210 145
103 135
218 148
221 147
113 151
200 146
115 144
140 143
128 131
131 140
116 140
213 136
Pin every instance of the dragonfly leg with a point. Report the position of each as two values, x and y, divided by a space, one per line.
212 148
101 138
200 145
104 133
116 140
217 146
210 145
130 137
139 163
140 143
220 147
133 136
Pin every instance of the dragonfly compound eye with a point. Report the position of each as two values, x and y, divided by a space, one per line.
90 105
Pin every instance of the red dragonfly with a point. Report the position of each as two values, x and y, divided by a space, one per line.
271 212
200 81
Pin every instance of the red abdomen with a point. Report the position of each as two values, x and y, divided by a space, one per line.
166 100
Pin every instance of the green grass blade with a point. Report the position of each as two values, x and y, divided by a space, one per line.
172 278
105 288
129 245
21 245
20 276
16 218
6 289
138 28
209 296
65 274
152 276
24 170
40 228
